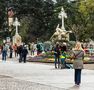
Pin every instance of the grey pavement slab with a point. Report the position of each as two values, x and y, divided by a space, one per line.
14 84
43 76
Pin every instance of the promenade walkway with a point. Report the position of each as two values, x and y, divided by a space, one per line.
41 76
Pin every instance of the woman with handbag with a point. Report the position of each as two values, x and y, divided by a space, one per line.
78 62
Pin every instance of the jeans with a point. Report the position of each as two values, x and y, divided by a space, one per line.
10 55
57 61
24 58
63 63
4 54
77 76
20 57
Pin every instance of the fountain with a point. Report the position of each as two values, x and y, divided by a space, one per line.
61 35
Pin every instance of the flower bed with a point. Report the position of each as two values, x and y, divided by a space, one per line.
49 57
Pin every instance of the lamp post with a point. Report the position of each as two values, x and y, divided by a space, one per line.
9 20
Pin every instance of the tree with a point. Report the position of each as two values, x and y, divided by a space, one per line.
87 10
39 18
2 14
39 13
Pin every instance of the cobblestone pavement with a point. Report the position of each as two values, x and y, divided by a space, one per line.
41 76
8 83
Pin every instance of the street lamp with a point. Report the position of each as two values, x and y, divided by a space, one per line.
10 17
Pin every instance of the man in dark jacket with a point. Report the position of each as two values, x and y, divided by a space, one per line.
19 51
24 53
57 55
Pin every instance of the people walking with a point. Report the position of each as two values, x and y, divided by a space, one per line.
78 55
4 52
11 51
24 53
32 48
15 49
19 50
57 55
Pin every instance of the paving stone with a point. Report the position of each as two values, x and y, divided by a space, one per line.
41 76
14 84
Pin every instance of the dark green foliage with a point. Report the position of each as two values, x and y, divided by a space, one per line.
39 18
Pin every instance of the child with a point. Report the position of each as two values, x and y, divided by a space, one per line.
63 57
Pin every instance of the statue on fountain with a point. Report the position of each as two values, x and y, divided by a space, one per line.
61 34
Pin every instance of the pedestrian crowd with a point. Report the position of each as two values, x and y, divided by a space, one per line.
60 55
20 51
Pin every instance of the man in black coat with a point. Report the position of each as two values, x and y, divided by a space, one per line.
19 51
24 53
